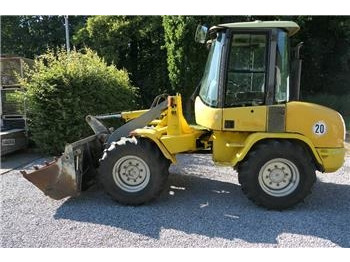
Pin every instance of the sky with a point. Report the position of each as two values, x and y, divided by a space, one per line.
178 7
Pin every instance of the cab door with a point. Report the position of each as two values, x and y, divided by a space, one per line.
249 81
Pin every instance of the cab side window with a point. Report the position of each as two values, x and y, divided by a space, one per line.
246 75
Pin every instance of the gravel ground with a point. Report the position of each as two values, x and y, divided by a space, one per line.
203 206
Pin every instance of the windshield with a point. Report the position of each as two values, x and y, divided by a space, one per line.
209 83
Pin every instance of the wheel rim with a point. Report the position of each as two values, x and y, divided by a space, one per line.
131 173
279 177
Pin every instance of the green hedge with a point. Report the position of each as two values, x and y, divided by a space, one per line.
63 88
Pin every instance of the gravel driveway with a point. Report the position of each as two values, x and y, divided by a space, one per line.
203 206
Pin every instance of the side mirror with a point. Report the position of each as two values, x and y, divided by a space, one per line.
201 34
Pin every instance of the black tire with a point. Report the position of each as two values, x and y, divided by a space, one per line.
268 171
133 171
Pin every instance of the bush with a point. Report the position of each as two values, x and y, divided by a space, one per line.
64 88
336 102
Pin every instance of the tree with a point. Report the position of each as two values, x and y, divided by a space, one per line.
131 42
160 53
326 51
30 36
186 59
326 54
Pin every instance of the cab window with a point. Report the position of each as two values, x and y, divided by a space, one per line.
210 80
246 74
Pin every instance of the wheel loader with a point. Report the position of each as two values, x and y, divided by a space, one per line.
248 116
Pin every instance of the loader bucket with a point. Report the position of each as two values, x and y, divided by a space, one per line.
63 176
54 180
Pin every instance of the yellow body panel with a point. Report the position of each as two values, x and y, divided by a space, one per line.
320 128
154 135
176 123
226 145
332 158
181 143
230 148
255 137
306 119
250 118
207 116
129 115
173 135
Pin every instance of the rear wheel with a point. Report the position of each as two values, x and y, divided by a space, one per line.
133 171
277 174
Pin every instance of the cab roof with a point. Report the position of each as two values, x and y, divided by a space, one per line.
291 27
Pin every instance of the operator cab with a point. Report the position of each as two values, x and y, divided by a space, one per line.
248 65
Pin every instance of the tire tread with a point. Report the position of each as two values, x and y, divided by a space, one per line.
148 148
262 150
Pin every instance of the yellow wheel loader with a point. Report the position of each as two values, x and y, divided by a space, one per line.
248 116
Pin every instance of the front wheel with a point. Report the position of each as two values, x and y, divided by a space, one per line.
277 174
133 171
